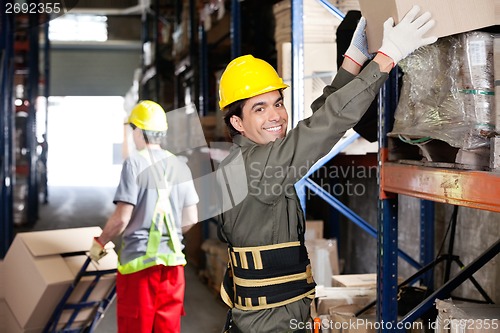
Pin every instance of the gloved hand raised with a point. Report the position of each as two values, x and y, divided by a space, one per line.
97 250
407 36
358 49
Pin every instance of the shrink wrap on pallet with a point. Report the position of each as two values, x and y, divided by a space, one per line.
448 92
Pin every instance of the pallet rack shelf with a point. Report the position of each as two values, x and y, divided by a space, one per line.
473 189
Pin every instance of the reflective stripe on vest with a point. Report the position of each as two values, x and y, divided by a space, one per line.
264 277
162 216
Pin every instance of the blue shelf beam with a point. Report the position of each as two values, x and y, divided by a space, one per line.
332 9
353 217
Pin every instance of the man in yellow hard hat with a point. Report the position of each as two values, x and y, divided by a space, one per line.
155 202
269 284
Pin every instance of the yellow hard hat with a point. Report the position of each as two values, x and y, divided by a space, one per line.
149 116
246 77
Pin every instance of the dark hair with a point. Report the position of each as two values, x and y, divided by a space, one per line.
236 109
233 109
152 137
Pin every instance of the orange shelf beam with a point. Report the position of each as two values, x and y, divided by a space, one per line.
474 189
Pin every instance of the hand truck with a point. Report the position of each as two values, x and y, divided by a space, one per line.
99 306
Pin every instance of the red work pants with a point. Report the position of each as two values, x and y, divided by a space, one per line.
150 300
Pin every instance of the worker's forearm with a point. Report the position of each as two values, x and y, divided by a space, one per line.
117 223
351 66
385 64
114 227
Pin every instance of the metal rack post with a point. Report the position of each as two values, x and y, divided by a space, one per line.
32 88
427 209
387 244
7 126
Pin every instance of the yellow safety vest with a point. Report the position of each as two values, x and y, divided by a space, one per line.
162 217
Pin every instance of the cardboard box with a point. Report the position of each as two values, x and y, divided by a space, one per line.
216 256
355 280
40 266
9 324
327 298
323 254
314 229
451 16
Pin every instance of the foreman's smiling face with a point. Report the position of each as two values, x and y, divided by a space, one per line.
265 118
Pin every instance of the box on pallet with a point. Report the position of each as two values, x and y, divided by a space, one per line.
331 297
464 317
216 256
39 268
451 16
314 229
355 280
323 254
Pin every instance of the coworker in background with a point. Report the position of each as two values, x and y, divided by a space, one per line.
271 286
155 200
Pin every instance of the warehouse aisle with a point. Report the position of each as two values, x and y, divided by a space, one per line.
72 207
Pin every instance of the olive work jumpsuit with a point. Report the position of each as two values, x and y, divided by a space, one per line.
271 212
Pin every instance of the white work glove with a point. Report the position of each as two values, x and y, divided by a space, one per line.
358 49
407 36
97 250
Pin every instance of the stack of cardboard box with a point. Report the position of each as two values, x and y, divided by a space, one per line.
320 49
216 260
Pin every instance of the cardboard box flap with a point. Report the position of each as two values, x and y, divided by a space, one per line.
50 242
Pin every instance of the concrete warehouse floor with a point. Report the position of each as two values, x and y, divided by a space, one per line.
73 207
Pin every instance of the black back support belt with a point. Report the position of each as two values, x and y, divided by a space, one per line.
267 276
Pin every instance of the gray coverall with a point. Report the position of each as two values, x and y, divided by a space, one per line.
271 212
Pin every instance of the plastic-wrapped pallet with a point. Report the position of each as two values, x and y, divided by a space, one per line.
447 92
477 85
461 317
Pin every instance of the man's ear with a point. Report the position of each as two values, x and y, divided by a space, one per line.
237 123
